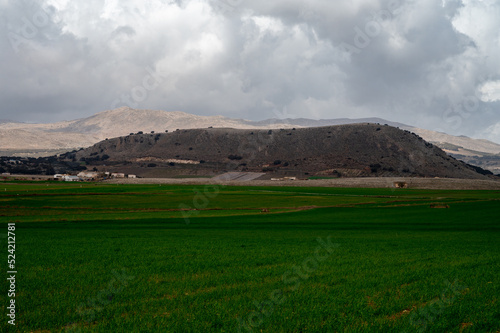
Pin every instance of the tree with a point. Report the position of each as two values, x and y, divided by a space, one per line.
234 157
50 170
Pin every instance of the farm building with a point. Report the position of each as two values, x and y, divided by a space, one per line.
88 175
284 178
117 175
71 178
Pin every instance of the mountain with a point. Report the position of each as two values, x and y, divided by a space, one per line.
479 152
108 124
22 139
355 150
454 145
304 122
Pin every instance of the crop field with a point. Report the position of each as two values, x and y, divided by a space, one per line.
210 258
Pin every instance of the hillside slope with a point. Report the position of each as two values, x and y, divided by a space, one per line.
122 121
33 140
347 150
108 124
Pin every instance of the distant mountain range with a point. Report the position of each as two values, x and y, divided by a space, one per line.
22 139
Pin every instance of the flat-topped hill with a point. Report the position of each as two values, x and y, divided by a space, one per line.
343 150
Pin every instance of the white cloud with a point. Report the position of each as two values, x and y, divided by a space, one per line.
490 91
428 57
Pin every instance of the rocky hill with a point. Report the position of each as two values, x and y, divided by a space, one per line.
21 139
122 121
332 151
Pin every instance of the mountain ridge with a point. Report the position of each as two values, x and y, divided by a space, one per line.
350 150
45 139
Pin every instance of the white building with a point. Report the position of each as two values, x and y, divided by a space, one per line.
88 175
117 175
71 178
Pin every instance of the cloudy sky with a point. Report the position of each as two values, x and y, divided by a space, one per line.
434 64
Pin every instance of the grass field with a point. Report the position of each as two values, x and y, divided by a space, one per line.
150 258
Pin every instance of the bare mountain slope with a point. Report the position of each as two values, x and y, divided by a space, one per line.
464 142
45 139
347 150
107 124
32 139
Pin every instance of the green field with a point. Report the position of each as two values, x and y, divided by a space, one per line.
150 258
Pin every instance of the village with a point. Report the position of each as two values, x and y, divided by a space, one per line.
85 176
91 176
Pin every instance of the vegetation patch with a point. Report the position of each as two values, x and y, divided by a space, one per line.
124 258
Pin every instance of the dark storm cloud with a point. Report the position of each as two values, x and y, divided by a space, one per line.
426 63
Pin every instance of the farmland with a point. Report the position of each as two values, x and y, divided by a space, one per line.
195 258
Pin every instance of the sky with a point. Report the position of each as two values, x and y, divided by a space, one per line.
433 64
